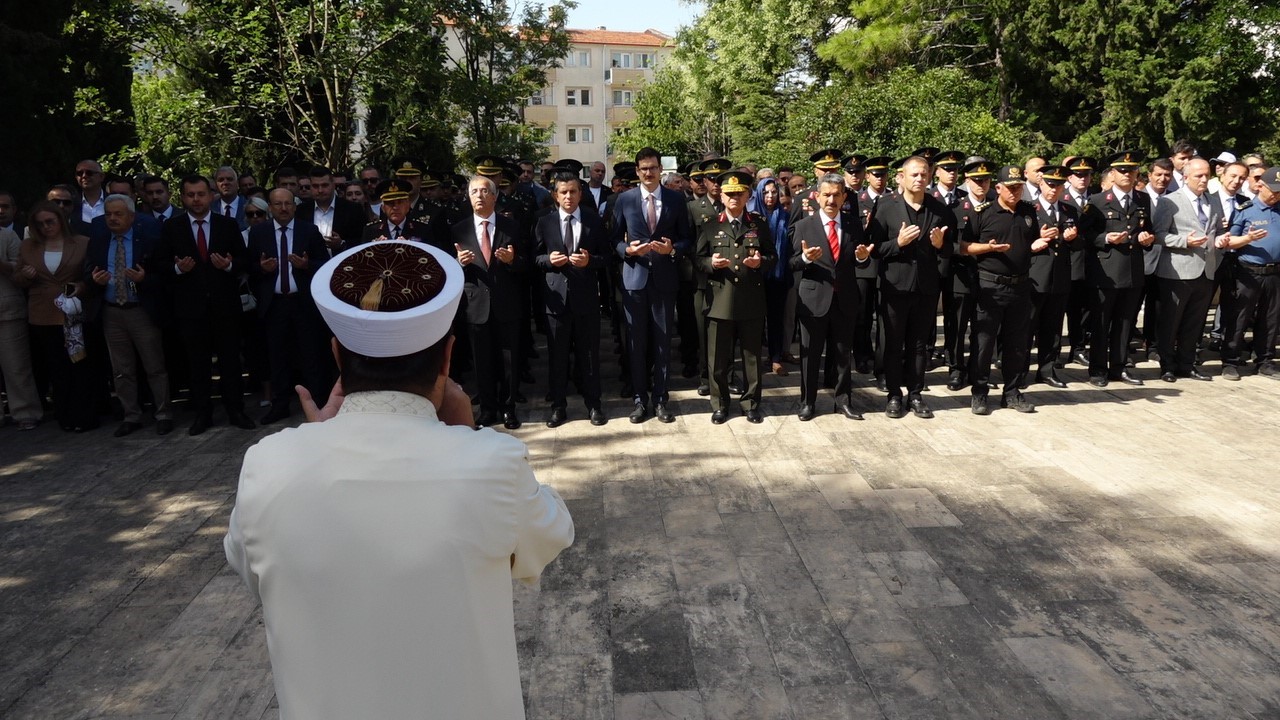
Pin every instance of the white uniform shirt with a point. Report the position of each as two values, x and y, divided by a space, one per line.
380 543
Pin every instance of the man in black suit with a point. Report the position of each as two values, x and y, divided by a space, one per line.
651 230
1119 225
122 245
229 202
198 256
1080 299
829 247
283 255
596 188
492 253
339 222
1051 271
571 251
156 195
910 231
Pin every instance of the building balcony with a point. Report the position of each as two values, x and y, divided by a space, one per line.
619 114
543 115
624 77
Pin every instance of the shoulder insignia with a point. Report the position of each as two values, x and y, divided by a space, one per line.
1245 205
982 206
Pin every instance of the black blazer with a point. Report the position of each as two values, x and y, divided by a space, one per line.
348 218
913 268
824 279
205 290
1051 268
491 292
570 289
1111 267
146 238
264 240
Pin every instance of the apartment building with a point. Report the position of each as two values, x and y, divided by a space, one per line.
590 97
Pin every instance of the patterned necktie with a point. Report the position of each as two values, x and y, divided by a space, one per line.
117 274
284 261
485 248
201 243
1204 217
651 213
568 233
833 240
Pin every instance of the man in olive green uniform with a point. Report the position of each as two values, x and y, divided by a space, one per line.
736 251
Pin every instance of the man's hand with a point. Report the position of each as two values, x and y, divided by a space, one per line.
662 246
465 257
1040 244
810 253
320 414
936 237
135 273
1048 232
29 271
753 260
719 262
638 248
862 252
100 276
580 258
333 241
1197 239
1117 238
1255 234
1223 241
220 262
185 265
1145 238
907 234
993 246
268 264
558 259
299 262
1071 233
455 406
505 254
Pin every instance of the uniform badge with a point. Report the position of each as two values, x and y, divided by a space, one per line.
1027 220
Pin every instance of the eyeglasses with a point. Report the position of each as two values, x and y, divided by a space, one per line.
62 202
254 215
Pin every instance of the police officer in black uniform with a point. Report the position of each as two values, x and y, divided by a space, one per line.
964 280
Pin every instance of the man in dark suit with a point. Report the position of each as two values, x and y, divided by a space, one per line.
910 232
283 255
339 222
651 230
1119 225
596 188
492 253
571 250
735 252
1080 300
121 247
156 195
198 256
829 247
1051 271
229 203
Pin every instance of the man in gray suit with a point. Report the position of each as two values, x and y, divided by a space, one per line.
1187 222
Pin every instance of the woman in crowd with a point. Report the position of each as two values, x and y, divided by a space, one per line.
777 284
51 267
253 341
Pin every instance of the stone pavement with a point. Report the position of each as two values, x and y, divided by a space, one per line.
1116 555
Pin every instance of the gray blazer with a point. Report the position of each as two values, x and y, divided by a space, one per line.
1175 220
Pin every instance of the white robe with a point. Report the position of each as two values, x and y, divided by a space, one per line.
380 544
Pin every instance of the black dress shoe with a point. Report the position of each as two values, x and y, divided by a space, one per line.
200 424
240 420
806 413
979 405
1052 380
510 420
755 416
881 384
863 367
894 408
1128 379
487 419
638 414
704 390
1018 402
920 409
1097 381
718 417
1195 374
127 428
845 409
598 417
558 416
735 389
164 427
277 413
661 412
1168 377
956 380
937 359
1080 358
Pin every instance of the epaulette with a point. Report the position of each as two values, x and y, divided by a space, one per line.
1244 205
754 217
981 206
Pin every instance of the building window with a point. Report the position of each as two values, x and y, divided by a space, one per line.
571 60
578 134
644 60
584 58
620 60
622 97
535 98
578 96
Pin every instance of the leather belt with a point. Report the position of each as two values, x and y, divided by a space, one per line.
1268 269
1011 280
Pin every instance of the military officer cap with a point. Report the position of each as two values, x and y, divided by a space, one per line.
1080 164
569 165
897 164
713 167
828 159
489 166
1011 175
928 153
1054 175
973 159
980 169
1126 159
621 168
406 167
431 178
734 181
877 165
951 159
690 170
627 173
393 189
853 163
459 181
508 176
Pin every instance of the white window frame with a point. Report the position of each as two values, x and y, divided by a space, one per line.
579 135
620 60
538 97
622 98
584 58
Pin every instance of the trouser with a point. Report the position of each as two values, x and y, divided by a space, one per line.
15 364
1224 283
1080 302
1047 310
701 305
688 320
202 338
1184 305
775 298
1153 295
495 352
1004 314
71 382
131 335
1257 307
960 317
293 339
817 333
582 331
1112 315
721 335
909 320
650 317
865 348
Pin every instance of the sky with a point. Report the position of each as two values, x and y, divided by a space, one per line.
633 15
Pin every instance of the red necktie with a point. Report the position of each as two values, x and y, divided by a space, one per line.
833 240
284 261
201 243
485 246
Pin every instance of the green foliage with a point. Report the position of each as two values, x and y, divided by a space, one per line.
669 118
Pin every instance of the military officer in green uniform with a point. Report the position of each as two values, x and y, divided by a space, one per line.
410 171
736 251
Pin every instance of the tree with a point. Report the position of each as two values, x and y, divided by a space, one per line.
667 118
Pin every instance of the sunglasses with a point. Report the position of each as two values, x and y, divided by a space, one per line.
878 173
255 214
86 173
372 181
63 202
